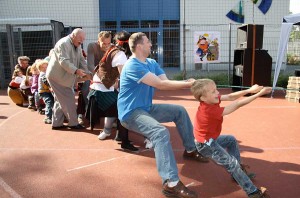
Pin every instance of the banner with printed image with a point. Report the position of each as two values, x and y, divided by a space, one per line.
207 47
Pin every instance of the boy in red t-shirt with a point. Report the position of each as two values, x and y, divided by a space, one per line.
223 149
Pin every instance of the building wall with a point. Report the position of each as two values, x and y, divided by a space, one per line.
198 15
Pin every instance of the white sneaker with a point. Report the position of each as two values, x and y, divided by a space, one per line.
148 143
103 135
80 120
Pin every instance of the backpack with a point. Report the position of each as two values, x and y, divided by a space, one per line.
108 74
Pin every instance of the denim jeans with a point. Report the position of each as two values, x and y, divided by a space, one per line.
149 125
49 102
225 152
37 99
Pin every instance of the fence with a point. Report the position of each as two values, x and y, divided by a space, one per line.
171 48
31 39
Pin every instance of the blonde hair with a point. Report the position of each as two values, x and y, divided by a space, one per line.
40 63
198 89
33 67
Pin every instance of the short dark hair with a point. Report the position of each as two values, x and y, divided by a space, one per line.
135 39
123 36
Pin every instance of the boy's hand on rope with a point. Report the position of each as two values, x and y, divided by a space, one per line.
265 90
255 88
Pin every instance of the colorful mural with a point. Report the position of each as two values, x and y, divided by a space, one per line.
237 13
207 47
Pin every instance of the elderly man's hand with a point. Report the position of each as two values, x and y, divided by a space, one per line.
80 73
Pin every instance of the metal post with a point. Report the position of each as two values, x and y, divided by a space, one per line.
184 43
2 75
229 55
9 31
53 34
20 41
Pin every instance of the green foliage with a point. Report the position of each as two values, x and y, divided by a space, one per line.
295 33
282 80
293 59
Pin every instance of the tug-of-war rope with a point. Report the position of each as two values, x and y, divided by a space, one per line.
245 87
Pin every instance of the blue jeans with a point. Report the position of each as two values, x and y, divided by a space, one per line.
225 152
149 125
37 99
49 102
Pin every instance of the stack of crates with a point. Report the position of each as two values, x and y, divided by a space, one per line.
293 89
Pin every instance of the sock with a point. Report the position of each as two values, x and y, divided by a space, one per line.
107 131
173 183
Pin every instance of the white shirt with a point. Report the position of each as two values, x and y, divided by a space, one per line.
118 60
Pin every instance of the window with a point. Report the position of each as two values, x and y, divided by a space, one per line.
129 24
150 24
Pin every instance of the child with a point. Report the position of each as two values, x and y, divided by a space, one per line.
17 79
34 87
26 88
208 124
44 91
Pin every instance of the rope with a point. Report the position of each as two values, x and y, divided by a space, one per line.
245 87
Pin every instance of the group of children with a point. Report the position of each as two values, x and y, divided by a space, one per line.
34 85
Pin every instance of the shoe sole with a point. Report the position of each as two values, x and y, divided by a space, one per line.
126 149
59 127
100 138
167 194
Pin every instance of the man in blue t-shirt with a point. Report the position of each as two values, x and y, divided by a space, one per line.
139 78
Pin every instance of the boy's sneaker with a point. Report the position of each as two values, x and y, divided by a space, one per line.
80 120
47 121
195 155
103 135
148 143
260 193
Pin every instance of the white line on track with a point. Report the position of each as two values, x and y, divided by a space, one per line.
8 189
104 161
10 117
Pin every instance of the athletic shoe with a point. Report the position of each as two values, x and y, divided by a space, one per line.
195 155
179 191
47 121
129 147
260 193
103 135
